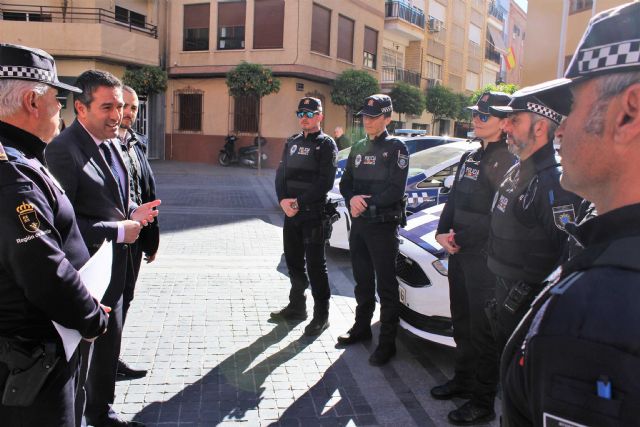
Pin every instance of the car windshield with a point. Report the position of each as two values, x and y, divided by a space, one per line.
434 156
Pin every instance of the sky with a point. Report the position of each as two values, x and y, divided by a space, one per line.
522 4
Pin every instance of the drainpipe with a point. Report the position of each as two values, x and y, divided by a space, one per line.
563 38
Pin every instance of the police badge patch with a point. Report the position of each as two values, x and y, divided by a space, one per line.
369 160
403 160
502 203
562 215
358 159
472 173
28 217
293 149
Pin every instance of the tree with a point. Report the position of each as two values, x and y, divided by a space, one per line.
350 89
254 80
442 103
146 80
407 99
502 87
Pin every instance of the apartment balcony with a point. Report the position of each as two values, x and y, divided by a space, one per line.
80 32
391 75
407 22
491 54
497 11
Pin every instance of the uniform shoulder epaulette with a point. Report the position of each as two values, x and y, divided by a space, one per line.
294 136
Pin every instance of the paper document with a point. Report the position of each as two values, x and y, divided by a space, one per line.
96 275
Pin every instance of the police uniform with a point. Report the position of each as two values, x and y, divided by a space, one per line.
527 236
41 250
306 173
376 167
471 283
574 359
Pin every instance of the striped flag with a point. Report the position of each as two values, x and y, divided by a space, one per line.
510 59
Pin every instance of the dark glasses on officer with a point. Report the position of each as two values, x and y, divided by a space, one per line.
484 117
309 114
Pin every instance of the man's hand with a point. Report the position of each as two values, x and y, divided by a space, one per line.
448 242
357 204
131 230
107 310
146 212
287 207
150 258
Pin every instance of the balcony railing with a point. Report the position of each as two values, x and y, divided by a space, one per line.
496 11
396 9
12 12
492 55
395 74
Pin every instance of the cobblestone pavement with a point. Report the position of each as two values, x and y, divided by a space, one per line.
199 323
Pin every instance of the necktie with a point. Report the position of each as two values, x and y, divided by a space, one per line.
108 156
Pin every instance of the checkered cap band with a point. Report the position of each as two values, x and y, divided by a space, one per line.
545 111
27 73
609 56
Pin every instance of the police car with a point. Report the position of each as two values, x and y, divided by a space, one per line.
430 177
421 268
414 145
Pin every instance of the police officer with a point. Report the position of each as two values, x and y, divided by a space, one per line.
575 358
41 250
463 231
305 175
529 212
373 187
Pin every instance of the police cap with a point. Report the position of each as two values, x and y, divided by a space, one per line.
310 104
26 63
489 99
376 105
529 100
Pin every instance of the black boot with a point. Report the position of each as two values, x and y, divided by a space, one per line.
291 312
320 320
383 353
360 331
471 414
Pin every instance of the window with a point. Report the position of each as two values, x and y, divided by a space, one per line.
345 38
516 31
196 27
190 111
580 5
129 17
321 30
22 16
245 115
370 53
231 17
268 24
392 58
434 71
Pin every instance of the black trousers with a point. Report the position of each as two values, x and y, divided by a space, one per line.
103 363
304 253
55 404
374 249
133 269
471 287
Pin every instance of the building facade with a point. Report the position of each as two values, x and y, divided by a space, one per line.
515 36
562 22
305 43
89 34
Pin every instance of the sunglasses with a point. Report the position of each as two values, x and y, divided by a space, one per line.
309 114
484 117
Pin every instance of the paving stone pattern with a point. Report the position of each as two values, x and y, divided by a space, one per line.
200 323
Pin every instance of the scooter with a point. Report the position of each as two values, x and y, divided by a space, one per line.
247 156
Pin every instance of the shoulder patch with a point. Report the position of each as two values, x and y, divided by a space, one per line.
562 215
28 217
403 160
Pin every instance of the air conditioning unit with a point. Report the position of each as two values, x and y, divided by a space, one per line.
433 82
435 25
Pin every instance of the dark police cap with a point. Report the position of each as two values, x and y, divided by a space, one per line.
26 63
376 105
310 104
611 44
490 99
530 100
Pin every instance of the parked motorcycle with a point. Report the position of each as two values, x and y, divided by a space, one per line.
247 156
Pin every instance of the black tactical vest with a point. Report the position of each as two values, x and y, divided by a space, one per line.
302 162
473 193
519 251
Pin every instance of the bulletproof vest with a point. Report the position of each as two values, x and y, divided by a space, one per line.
581 380
372 165
473 193
519 251
302 162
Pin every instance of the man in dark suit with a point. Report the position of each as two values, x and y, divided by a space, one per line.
142 186
95 179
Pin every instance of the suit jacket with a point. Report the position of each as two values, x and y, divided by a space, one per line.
75 160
